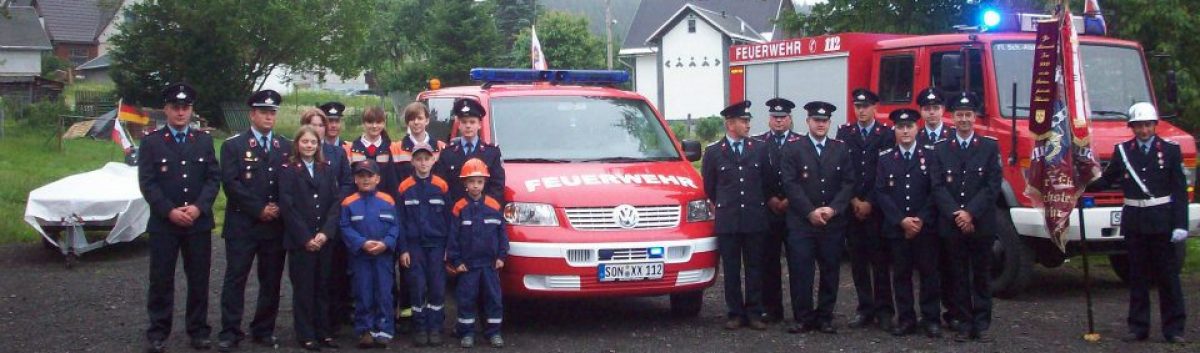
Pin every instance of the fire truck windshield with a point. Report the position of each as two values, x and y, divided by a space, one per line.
1115 77
544 129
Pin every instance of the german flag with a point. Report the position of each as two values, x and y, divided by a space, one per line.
126 112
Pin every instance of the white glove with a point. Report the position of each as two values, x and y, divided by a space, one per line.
1178 235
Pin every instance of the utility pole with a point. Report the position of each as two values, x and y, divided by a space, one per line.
608 32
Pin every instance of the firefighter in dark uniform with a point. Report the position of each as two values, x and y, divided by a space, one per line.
1153 221
179 178
340 309
469 114
250 166
737 179
965 187
869 258
779 136
933 107
903 195
819 182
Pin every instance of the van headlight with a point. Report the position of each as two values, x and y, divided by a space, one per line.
530 214
700 210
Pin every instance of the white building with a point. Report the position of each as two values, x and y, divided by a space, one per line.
679 50
23 39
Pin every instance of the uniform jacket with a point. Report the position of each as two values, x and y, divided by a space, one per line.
1160 170
774 154
477 234
172 175
967 180
451 160
425 211
341 168
864 151
811 181
902 189
384 155
370 216
251 178
308 204
738 185
923 135
404 154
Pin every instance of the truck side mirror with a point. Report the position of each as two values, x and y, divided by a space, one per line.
691 150
1172 88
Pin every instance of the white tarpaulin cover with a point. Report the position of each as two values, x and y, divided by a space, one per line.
98 195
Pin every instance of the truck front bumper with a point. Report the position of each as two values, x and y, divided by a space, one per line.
1103 223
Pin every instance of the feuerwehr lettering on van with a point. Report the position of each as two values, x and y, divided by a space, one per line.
552 182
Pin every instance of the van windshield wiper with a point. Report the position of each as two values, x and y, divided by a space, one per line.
536 160
620 159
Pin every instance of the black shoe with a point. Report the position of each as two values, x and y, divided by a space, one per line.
269 341
330 343
982 337
156 346
932 330
733 323
799 328
310 346
960 336
757 325
1176 340
224 346
1134 337
953 324
201 344
860 321
420 339
435 338
904 329
885 324
827 327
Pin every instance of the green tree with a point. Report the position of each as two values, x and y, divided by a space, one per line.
227 48
394 44
1170 27
565 40
882 16
458 35
513 16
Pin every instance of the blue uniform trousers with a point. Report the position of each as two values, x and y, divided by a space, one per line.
427 287
470 286
374 308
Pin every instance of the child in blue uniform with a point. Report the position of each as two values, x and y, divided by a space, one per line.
425 214
476 251
371 232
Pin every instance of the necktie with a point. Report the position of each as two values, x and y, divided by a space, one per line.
470 148
1146 148
310 169
908 156
963 144
737 148
779 138
820 148
179 137
863 131
932 137
263 140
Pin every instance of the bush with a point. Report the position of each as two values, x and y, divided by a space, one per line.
43 114
709 128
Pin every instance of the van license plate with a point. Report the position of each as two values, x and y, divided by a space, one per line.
630 272
1115 218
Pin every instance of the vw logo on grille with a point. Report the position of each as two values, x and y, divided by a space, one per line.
626 216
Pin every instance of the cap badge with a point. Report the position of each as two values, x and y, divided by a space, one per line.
269 101
931 96
862 97
333 111
181 95
821 111
964 100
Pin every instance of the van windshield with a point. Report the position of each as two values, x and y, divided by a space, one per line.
578 129
1115 77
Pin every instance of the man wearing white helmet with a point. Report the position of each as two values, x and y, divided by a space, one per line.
1148 170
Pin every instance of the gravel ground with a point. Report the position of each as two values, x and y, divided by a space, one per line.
99 306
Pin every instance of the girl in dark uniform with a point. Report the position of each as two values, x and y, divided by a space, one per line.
416 118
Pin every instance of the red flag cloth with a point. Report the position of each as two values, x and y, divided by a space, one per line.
1062 163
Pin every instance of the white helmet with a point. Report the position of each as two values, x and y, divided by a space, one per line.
1142 111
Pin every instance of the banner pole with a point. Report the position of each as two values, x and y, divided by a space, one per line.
1091 335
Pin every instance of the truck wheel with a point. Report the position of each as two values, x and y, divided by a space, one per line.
1120 266
1012 259
687 304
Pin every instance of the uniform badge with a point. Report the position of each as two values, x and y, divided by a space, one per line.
163 169
804 175
253 144
275 143
249 175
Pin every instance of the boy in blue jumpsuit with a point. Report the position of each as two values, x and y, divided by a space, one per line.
425 215
476 251
371 232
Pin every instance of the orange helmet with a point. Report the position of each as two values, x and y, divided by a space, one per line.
474 167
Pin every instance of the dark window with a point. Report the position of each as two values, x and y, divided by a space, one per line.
948 69
691 25
896 79
440 119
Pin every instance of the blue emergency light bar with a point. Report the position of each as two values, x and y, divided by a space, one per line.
552 76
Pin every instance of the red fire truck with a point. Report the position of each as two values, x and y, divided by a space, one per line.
996 65
602 198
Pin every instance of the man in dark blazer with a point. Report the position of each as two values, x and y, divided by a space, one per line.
179 178
736 180
819 182
966 186
778 137
469 144
250 166
933 106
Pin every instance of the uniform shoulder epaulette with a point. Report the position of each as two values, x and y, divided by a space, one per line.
885 151
757 139
440 183
1170 141
993 138
458 206
847 124
385 197
491 203
835 140
928 147
406 184
938 142
235 136
350 199
441 145
714 143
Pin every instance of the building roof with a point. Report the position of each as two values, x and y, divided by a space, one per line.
731 26
71 20
651 15
97 63
22 30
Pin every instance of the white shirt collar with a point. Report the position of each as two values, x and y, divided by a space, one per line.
376 143
937 130
967 140
910 149
413 138
815 142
